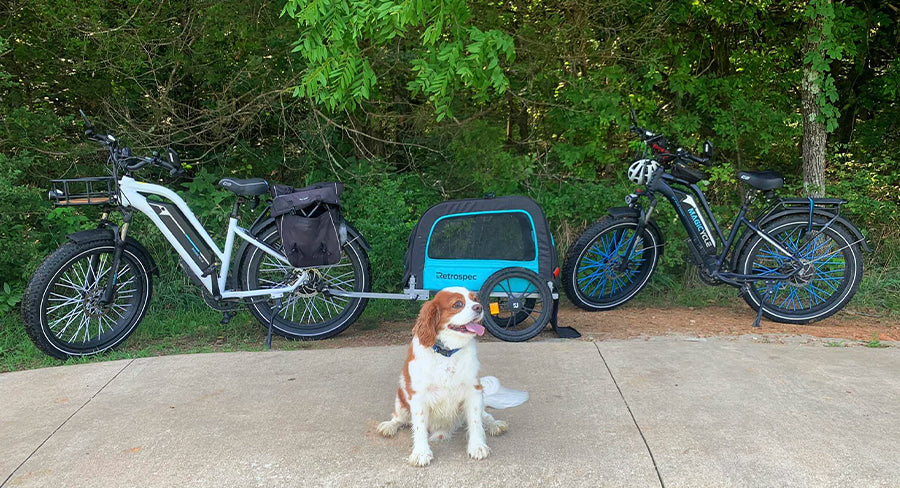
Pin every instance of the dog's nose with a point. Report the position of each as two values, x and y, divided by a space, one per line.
476 307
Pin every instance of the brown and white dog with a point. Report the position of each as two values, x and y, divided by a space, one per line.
439 387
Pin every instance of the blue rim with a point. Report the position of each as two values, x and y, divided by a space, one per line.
829 269
598 276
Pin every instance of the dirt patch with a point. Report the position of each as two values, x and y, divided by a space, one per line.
640 321
627 322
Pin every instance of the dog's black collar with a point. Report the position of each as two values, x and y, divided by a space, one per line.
443 351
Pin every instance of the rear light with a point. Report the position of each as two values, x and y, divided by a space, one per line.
556 273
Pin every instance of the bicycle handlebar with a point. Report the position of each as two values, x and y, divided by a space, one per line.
123 158
703 161
659 144
143 161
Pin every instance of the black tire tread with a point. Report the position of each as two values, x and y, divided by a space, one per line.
575 250
349 320
845 233
546 300
40 280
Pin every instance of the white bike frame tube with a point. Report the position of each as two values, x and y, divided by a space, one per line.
133 192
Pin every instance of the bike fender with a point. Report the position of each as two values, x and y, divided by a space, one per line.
356 236
826 213
91 235
630 213
624 212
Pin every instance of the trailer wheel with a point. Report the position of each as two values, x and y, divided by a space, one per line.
517 304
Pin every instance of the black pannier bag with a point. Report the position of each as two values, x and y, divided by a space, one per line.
309 223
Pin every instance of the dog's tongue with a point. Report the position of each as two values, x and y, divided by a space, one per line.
477 329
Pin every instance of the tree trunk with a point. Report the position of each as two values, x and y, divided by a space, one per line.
814 135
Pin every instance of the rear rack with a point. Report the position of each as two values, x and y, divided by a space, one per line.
98 190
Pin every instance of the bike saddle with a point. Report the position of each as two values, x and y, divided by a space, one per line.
246 188
762 180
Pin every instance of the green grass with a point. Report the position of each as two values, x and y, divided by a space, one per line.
835 344
178 322
875 342
186 327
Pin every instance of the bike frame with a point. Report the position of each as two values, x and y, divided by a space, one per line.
694 217
192 242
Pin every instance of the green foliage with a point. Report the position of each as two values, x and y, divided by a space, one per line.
385 212
411 103
825 48
875 342
9 298
338 39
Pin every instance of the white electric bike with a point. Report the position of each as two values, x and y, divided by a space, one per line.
90 294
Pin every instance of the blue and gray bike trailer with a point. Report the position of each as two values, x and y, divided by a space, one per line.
500 248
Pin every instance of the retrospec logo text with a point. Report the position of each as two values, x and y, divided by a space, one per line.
455 277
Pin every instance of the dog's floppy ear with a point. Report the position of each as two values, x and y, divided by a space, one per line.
426 328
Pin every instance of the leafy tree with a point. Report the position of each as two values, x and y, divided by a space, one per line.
818 92
338 37
411 102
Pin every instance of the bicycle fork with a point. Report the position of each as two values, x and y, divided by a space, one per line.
639 231
119 234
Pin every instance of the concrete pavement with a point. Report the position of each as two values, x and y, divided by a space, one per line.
659 412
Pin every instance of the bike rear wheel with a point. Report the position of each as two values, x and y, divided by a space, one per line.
62 306
830 275
592 274
308 313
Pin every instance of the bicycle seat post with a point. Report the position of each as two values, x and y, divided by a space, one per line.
236 207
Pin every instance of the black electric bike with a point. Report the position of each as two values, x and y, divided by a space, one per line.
797 262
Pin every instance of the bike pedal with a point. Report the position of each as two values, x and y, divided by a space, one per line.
226 317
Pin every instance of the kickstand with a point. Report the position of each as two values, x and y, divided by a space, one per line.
275 313
563 332
769 290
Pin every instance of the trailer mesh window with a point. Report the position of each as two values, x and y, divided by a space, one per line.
501 236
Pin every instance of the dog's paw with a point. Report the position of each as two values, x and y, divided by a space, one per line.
441 435
497 427
421 458
479 451
388 428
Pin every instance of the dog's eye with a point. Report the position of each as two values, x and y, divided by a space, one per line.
458 305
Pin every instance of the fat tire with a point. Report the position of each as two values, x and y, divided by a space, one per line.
578 250
262 310
38 288
842 236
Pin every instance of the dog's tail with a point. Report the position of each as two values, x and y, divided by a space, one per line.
498 396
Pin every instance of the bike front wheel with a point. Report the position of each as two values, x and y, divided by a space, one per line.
829 275
308 313
63 310
598 276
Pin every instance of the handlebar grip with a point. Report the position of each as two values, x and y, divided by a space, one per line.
135 166
703 161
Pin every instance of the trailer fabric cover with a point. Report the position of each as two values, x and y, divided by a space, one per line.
502 232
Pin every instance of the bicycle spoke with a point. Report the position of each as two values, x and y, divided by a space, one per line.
67 317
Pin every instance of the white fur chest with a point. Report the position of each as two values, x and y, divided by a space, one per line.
444 381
